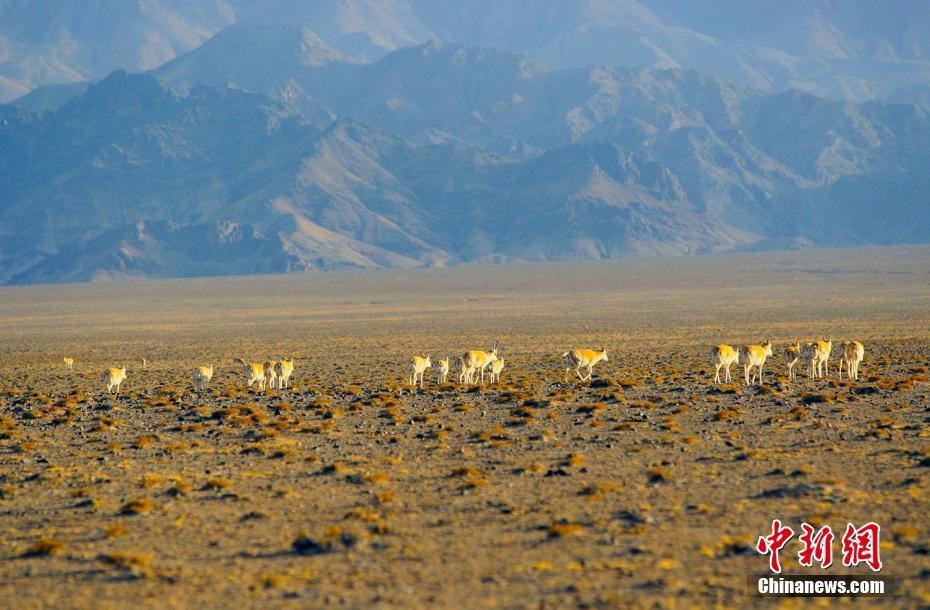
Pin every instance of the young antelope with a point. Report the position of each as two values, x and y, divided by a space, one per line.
283 370
584 357
496 367
443 371
754 356
852 355
723 357
792 355
113 377
69 362
825 346
202 377
254 372
418 366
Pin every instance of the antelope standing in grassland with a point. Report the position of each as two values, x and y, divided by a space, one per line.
69 362
418 366
477 361
584 357
283 370
465 371
113 377
810 353
271 376
792 355
202 377
443 371
826 346
852 355
254 372
754 356
724 356
496 367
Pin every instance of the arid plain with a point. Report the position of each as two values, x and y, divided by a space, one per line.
645 487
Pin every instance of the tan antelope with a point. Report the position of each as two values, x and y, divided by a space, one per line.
810 354
418 366
69 362
202 377
283 370
113 377
254 372
443 371
271 377
753 356
724 356
496 367
852 355
792 355
825 345
465 371
584 357
476 361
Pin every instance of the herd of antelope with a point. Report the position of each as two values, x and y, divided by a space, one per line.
473 364
815 355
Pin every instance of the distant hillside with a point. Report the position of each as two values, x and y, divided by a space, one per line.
435 155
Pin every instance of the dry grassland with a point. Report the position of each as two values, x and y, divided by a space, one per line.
645 487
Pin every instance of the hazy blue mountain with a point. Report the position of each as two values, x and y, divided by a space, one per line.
137 177
855 49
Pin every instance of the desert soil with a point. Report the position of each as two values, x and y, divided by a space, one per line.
647 486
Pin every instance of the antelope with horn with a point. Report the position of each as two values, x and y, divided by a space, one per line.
584 358
418 366
754 356
254 372
724 357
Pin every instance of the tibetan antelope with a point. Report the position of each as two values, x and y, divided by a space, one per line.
724 357
476 361
69 362
852 355
792 355
465 371
202 377
418 366
283 369
443 371
753 356
825 345
254 372
113 377
271 377
810 354
496 367
584 357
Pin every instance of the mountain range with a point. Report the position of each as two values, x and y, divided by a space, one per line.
276 148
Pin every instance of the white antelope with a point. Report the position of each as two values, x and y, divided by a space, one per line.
254 372
584 357
754 356
271 377
443 371
810 353
792 355
476 361
724 356
283 370
202 377
826 346
496 367
418 366
69 362
852 355
113 377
